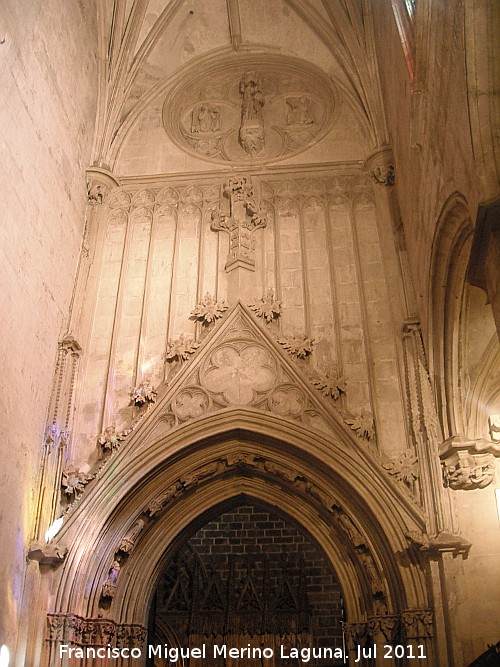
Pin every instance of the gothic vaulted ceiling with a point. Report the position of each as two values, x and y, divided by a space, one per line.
171 73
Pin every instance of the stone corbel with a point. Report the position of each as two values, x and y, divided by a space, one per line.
468 464
433 547
99 183
380 166
47 554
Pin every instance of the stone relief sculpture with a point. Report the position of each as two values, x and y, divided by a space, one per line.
298 111
109 586
251 134
206 118
246 109
467 471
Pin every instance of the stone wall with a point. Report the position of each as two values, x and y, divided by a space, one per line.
49 84
431 133
157 255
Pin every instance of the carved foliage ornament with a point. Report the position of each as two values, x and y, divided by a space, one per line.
331 385
362 425
110 440
209 309
180 349
296 346
404 467
74 480
144 394
268 307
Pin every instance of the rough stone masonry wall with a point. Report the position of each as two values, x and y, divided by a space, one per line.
48 80
252 530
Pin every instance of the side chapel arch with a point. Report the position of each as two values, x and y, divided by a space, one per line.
304 474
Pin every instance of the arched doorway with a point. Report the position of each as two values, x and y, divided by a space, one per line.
252 579
141 510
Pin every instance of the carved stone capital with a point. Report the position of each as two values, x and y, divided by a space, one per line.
468 471
47 554
384 628
99 183
380 166
80 631
357 633
417 624
468 464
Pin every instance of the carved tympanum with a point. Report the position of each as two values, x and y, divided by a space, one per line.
249 108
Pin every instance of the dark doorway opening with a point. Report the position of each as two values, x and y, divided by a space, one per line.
249 578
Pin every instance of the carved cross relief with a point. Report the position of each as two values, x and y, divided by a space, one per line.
244 218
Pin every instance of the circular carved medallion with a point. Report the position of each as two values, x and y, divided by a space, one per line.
249 108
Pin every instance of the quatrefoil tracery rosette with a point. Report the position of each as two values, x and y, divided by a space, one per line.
190 403
238 373
288 401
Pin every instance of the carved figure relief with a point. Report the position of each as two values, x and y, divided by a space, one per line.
109 586
252 108
468 471
251 134
206 118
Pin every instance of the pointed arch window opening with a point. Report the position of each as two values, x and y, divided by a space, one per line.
404 14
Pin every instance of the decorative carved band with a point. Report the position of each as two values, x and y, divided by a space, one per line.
80 631
410 624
